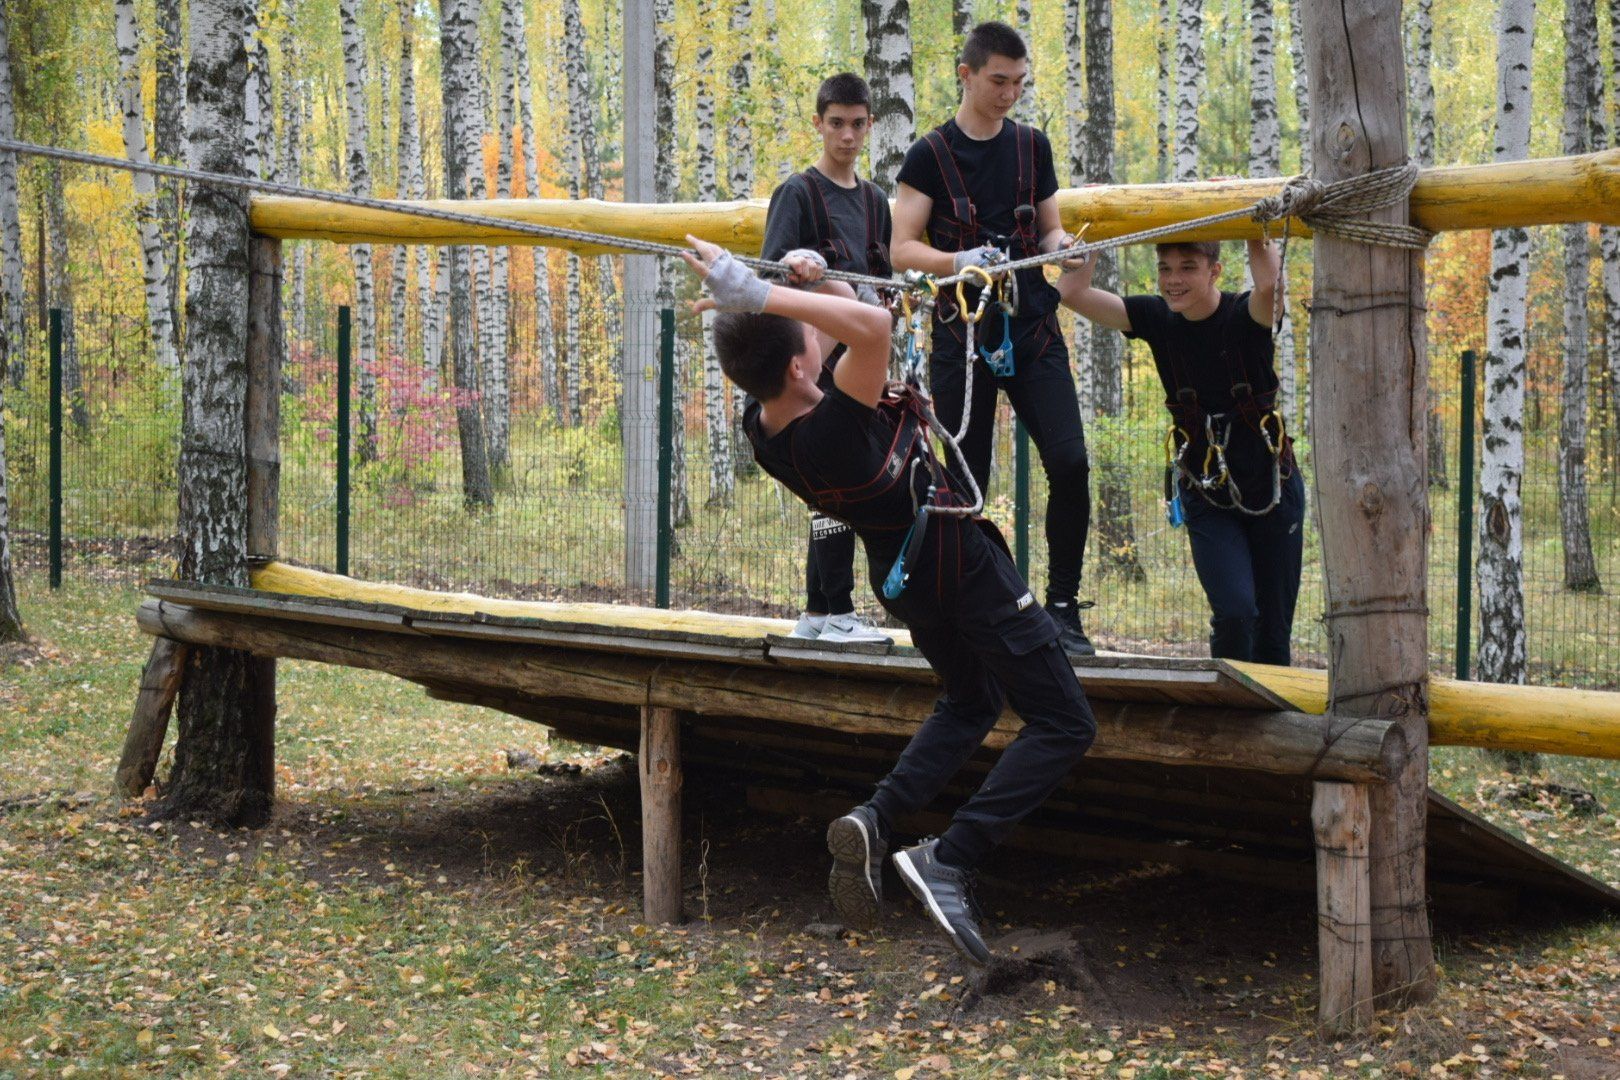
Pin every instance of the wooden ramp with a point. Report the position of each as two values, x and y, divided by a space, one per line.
1198 763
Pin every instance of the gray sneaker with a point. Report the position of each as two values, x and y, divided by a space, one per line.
947 895
808 627
856 882
851 627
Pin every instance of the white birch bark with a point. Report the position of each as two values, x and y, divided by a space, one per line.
159 317
961 22
11 304
888 71
1024 22
1610 236
1500 564
458 29
253 163
1419 42
169 142
408 179
1162 37
1265 159
577 73
1302 85
1189 85
1580 109
666 180
60 293
1074 108
357 166
295 110
544 335
716 391
740 136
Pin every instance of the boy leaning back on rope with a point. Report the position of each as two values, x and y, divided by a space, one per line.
1232 469
860 450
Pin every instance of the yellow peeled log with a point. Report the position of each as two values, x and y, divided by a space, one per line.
1552 191
1493 716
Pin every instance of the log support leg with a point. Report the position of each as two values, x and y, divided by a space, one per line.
154 703
659 764
1341 819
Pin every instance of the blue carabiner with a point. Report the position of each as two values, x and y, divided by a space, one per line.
1173 510
899 574
1001 362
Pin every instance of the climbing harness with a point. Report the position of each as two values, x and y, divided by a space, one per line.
834 250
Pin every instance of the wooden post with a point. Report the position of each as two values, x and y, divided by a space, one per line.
1340 819
143 744
265 349
660 766
1369 397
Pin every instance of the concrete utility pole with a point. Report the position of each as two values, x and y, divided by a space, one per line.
638 412
1369 398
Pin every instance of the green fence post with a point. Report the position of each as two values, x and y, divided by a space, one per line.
56 449
1021 498
666 452
343 441
1465 521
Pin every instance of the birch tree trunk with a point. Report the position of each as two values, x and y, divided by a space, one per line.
666 179
1501 656
499 413
961 21
578 76
169 140
740 151
159 317
544 335
1162 38
1610 238
1419 59
408 175
1580 109
1116 523
222 756
457 60
716 391
258 133
1074 107
358 168
1371 388
61 296
11 625
888 71
1265 159
1302 105
1189 84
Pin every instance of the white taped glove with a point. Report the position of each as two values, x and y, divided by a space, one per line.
815 258
734 286
979 256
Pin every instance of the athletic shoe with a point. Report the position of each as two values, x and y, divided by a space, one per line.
946 893
852 627
1070 633
808 627
856 882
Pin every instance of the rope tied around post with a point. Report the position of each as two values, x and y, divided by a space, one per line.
1339 209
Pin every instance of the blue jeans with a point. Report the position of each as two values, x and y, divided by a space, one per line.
1249 568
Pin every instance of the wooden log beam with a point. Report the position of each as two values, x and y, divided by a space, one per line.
659 766
1369 393
1341 820
154 703
1547 192
1281 742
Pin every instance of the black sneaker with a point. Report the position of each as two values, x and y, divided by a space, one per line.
856 881
1070 634
946 894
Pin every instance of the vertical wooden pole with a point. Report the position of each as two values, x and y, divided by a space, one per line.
143 743
1340 817
265 347
660 766
1369 397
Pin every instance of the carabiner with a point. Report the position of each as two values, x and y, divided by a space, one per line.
1002 362
961 292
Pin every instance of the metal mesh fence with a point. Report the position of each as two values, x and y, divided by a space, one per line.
557 524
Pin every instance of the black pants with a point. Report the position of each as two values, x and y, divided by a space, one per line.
829 567
990 646
1249 567
1042 394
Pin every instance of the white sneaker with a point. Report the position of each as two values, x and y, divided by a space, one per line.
809 626
852 627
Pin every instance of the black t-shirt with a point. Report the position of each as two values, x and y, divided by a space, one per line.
791 221
989 169
1210 356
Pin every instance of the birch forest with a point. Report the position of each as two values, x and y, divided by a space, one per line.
486 376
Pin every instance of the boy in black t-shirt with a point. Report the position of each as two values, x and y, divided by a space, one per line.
830 212
978 184
861 450
1235 474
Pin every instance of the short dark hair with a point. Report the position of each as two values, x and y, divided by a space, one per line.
989 39
755 349
1209 249
845 88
